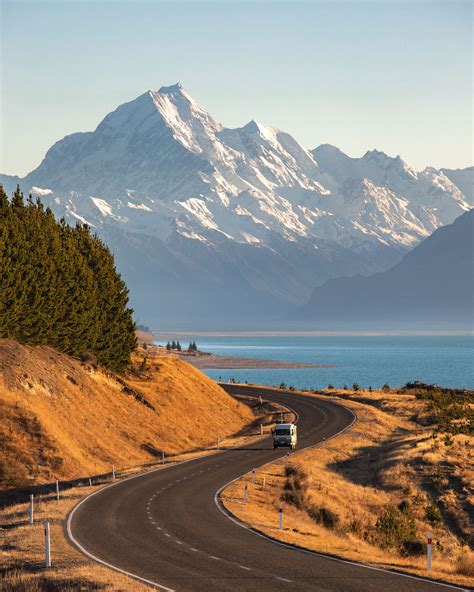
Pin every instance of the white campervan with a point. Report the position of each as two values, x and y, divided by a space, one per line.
284 434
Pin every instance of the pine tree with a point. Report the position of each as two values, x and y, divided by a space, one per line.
59 285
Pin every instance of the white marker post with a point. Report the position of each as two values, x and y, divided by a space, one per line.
429 541
90 482
261 429
31 509
287 458
280 512
162 457
218 443
261 401
57 490
246 493
47 540
263 482
253 476
113 472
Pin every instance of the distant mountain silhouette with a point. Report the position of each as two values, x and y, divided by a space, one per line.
432 285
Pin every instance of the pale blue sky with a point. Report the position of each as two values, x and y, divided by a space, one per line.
396 76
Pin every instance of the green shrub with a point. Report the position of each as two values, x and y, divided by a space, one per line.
396 529
433 513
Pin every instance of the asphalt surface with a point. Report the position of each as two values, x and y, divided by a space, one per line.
166 528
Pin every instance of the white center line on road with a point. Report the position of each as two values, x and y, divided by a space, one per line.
282 579
167 534
246 568
214 557
195 550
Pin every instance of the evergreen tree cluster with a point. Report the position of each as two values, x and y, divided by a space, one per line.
59 286
174 345
192 346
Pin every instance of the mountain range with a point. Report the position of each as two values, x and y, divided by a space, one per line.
433 285
212 226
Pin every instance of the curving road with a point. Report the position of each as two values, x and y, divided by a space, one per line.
166 529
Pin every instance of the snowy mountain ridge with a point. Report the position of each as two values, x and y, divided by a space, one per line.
161 170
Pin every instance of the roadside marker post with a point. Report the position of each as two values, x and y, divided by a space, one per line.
113 472
261 401
246 493
218 443
253 476
429 541
31 509
263 482
57 490
261 429
90 482
287 458
47 540
162 457
280 512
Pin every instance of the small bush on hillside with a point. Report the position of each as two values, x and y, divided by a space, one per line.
433 513
355 387
323 516
295 487
386 388
396 529
330 387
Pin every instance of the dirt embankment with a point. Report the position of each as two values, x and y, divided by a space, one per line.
373 493
66 419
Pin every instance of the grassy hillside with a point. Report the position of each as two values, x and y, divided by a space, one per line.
65 419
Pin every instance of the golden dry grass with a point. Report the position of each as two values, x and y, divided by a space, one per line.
383 459
65 419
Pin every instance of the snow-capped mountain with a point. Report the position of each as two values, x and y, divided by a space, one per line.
246 217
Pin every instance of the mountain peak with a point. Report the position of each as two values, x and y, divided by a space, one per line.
174 88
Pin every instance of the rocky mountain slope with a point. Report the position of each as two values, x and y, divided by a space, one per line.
235 223
432 287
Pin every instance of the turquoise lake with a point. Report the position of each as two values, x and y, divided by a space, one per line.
366 360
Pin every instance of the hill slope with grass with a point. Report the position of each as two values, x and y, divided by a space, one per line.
66 419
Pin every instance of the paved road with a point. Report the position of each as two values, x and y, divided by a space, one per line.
165 526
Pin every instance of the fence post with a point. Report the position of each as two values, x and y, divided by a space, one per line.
57 489
47 540
280 512
429 541
31 509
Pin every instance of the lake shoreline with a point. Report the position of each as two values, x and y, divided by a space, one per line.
209 361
